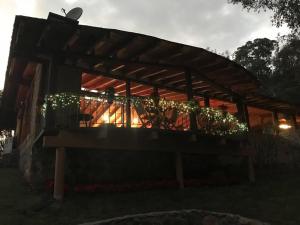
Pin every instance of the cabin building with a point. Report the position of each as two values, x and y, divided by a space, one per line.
73 89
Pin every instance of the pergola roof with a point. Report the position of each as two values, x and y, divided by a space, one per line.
129 56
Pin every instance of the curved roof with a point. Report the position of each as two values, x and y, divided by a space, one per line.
130 56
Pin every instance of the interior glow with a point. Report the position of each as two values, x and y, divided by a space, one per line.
135 120
105 118
285 126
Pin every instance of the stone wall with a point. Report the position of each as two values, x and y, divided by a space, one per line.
25 157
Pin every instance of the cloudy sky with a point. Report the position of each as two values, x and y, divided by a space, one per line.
204 23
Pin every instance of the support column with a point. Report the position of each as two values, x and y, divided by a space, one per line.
294 120
206 102
276 122
128 104
243 115
179 170
190 96
155 92
155 96
58 193
251 171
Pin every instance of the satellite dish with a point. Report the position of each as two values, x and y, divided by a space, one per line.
74 13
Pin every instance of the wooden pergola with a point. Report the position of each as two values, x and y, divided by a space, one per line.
134 64
130 57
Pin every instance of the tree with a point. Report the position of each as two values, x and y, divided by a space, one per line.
278 68
256 56
285 82
285 11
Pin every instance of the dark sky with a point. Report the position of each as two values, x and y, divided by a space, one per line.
204 23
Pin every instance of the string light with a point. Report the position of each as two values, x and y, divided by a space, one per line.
210 121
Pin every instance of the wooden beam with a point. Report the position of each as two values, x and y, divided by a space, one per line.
144 49
144 91
251 171
206 101
162 78
190 97
128 104
179 170
153 74
171 66
276 122
136 80
58 193
173 81
119 46
294 121
243 114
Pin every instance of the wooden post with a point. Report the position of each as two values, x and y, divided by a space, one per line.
246 113
190 97
294 120
122 115
58 193
251 171
206 102
243 115
179 170
128 104
155 92
155 96
275 122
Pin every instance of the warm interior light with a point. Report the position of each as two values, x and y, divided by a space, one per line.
284 125
105 118
135 120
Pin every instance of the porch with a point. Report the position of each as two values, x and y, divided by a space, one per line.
78 86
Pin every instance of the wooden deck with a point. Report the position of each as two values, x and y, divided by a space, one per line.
141 139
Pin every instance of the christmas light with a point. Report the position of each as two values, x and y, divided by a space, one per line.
210 121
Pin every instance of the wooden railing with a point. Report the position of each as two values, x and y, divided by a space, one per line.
95 110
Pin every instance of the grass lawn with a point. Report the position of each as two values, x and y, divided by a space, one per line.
272 200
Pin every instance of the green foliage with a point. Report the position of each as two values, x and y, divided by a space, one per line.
4 135
278 68
256 56
287 59
285 11
211 121
218 123
285 82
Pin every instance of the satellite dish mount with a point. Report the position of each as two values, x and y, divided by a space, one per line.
74 13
